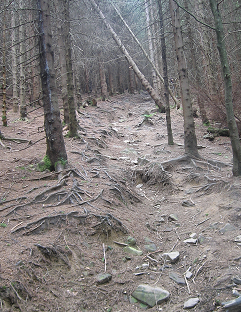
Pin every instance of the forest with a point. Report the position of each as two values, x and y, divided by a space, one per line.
120 155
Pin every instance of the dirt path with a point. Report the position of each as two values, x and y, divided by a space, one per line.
57 236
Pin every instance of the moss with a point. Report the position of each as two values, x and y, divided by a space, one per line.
45 164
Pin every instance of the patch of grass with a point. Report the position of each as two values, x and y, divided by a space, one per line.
45 164
3 224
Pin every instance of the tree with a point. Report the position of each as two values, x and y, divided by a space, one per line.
4 108
234 136
165 75
131 62
14 60
190 140
56 152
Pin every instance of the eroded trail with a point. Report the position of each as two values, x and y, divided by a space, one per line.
59 234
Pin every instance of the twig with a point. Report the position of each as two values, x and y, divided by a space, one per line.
199 270
187 283
104 255
16 226
202 221
152 259
174 245
120 244
16 292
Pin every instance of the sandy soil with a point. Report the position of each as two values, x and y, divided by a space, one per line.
58 235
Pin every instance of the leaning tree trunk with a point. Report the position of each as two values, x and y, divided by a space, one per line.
190 140
131 62
54 137
145 53
165 74
234 136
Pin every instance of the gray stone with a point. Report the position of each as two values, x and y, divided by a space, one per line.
233 305
201 239
103 278
150 295
131 241
238 239
172 256
191 303
173 217
188 203
193 235
237 280
227 228
133 251
188 275
150 247
177 278
190 241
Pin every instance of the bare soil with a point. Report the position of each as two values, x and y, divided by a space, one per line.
59 232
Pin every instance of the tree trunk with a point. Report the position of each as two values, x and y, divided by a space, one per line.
54 137
145 53
73 124
194 66
63 70
131 81
103 84
142 78
190 140
151 49
234 136
4 107
165 74
14 61
23 106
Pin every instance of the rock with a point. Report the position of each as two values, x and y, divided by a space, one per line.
172 256
173 217
150 295
177 278
233 305
188 275
103 278
190 241
133 251
227 228
235 293
193 235
191 303
150 247
201 239
131 241
238 239
188 203
237 280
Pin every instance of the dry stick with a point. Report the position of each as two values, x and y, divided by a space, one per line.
198 271
104 255
187 283
16 292
202 221
16 226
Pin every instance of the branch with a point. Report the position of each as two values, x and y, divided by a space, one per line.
181 7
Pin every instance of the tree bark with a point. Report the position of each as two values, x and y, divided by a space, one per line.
103 84
23 106
14 61
131 62
165 74
150 43
73 124
190 140
54 137
4 107
234 136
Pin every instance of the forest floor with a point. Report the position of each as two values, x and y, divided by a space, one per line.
59 233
